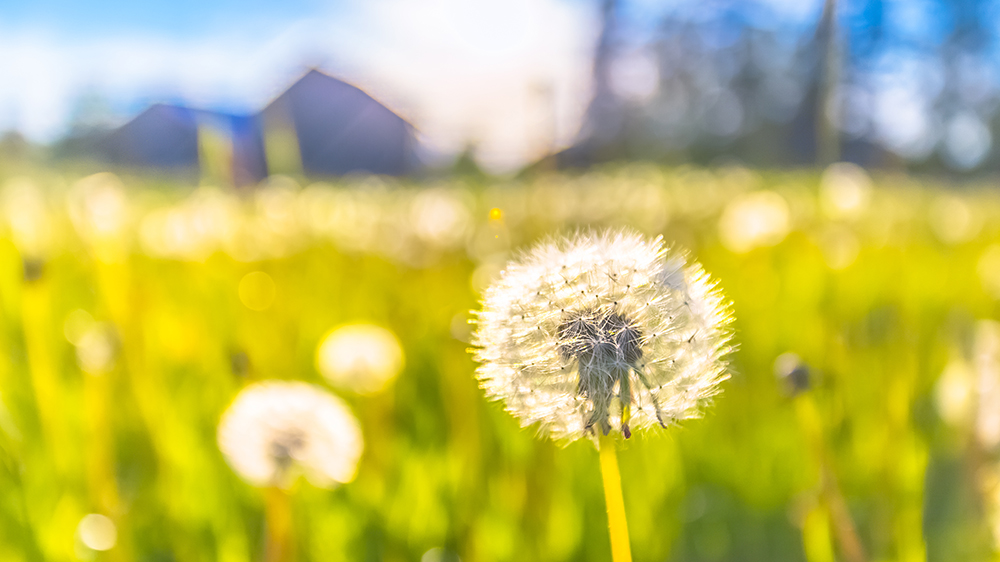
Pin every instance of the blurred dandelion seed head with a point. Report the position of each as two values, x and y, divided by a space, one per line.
362 358
601 331
99 210
275 430
206 221
28 217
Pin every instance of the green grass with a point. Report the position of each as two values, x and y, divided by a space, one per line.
877 301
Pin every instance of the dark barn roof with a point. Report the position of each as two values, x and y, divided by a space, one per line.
339 129
166 137
163 136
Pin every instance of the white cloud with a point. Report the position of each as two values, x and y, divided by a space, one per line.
491 72
457 70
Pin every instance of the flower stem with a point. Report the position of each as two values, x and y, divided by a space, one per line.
620 550
278 521
830 497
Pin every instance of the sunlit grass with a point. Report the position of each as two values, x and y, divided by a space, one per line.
875 286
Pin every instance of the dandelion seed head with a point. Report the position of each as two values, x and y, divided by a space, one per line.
602 331
275 430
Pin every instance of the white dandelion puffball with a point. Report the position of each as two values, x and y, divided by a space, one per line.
276 429
363 358
602 331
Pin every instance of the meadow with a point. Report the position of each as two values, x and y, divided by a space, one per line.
859 423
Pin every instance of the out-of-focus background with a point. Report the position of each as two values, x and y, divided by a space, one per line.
898 85
195 196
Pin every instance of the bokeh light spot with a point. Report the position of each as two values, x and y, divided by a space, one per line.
360 357
954 393
752 220
96 349
840 247
988 269
97 532
953 220
845 190
76 325
257 290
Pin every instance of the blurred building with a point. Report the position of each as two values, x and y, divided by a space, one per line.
177 139
320 126
340 129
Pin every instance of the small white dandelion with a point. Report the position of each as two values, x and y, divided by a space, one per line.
362 358
274 430
602 330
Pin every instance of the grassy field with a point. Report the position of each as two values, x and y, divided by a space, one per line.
132 312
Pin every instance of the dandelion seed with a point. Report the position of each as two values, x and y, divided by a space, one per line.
274 430
602 331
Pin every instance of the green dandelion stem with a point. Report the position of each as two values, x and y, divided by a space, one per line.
36 301
620 550
831 500
278 522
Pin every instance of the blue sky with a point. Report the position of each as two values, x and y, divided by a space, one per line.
511 75
458 70
178 19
